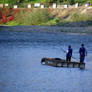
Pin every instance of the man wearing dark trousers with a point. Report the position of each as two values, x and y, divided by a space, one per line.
83 53
69 54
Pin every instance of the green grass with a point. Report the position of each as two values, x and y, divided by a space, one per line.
12 23
54 21
37 1
36 17
78 17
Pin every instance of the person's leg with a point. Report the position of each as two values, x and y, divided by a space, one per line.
82 59
66 58
69 59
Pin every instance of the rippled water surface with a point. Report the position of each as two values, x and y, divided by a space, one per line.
21 70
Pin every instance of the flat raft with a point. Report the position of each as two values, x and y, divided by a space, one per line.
58 62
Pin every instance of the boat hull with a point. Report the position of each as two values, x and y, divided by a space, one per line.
57 62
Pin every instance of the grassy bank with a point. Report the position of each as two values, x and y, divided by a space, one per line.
48 16
34 17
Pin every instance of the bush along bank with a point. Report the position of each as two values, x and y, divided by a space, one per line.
7 14
34 16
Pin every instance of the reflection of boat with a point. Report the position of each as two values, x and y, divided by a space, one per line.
57 62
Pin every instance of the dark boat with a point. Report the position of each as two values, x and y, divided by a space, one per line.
58 62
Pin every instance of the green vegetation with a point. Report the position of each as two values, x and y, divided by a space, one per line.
77 17
12 23
34 17
43 17
47 16
44 1
54 21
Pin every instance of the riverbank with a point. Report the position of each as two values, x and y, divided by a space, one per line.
48 29
75 17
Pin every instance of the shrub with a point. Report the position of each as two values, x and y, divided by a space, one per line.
75 17
52 22
34 17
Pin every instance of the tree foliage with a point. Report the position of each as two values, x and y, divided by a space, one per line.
45 1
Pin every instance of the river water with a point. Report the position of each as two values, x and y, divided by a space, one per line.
21 70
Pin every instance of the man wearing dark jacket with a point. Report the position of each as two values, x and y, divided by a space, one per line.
69 54
83 53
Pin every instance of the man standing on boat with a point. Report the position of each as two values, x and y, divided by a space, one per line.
69 53
83 53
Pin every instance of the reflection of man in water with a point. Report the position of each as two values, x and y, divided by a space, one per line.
83 53
69 54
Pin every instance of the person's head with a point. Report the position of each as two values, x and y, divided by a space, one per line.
82 45
69 46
